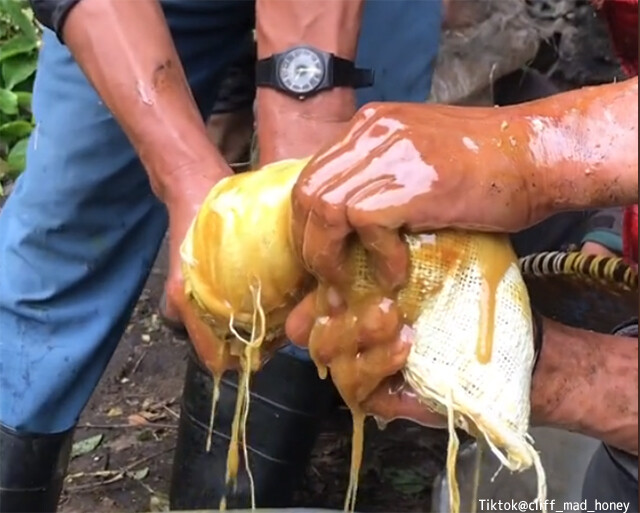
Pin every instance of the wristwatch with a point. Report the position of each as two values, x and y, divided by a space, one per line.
303 71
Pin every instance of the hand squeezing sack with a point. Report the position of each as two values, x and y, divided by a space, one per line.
447 309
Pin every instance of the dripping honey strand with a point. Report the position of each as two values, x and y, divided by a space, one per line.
215 396
243 399
357 444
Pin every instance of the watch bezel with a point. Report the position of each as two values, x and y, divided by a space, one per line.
323 57
336 72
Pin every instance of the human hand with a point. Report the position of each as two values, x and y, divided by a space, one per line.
364 350
183 204
414 168
594 248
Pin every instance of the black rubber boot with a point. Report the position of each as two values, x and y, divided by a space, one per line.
32 470
287 403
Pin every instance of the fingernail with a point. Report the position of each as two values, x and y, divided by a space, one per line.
334 298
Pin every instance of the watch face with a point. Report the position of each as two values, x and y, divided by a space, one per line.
301 70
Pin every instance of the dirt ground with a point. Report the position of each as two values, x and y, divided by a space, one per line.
125 439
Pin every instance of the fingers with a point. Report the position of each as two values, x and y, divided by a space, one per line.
324 248
374 344
331 338
327 187
388 358
378 363
593 248
211 350
301 320
388 255
393 400
379 322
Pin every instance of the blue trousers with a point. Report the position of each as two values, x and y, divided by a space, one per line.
81 230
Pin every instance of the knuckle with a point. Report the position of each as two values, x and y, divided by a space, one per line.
323 354
328 214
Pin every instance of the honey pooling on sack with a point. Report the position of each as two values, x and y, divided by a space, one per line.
465 300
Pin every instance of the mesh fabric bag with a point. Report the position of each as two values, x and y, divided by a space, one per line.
472 354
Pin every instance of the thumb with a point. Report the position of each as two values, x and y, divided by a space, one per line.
169 314
301 320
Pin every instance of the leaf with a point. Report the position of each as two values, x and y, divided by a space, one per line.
139 474
116 411
137 420
17 158
86 446
18 68
4 168
8 102
15 129
19 17
17 45
151 416
24 99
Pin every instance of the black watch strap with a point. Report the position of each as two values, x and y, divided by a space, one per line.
345 74
266 71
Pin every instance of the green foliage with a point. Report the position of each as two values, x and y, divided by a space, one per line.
19 44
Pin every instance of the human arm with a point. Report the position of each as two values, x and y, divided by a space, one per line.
287 127
126 52
589 158
587 382
584 381
435 166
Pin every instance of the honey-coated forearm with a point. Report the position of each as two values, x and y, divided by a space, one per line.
572 151
583 148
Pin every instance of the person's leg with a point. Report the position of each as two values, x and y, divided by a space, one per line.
609 480
399 40
231 122
78 236
287 404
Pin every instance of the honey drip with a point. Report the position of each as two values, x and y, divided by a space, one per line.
494 262
344 372
476 473
452 455
264 198
357 444
214 404
241 413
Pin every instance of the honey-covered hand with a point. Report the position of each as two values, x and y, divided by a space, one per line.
413 168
